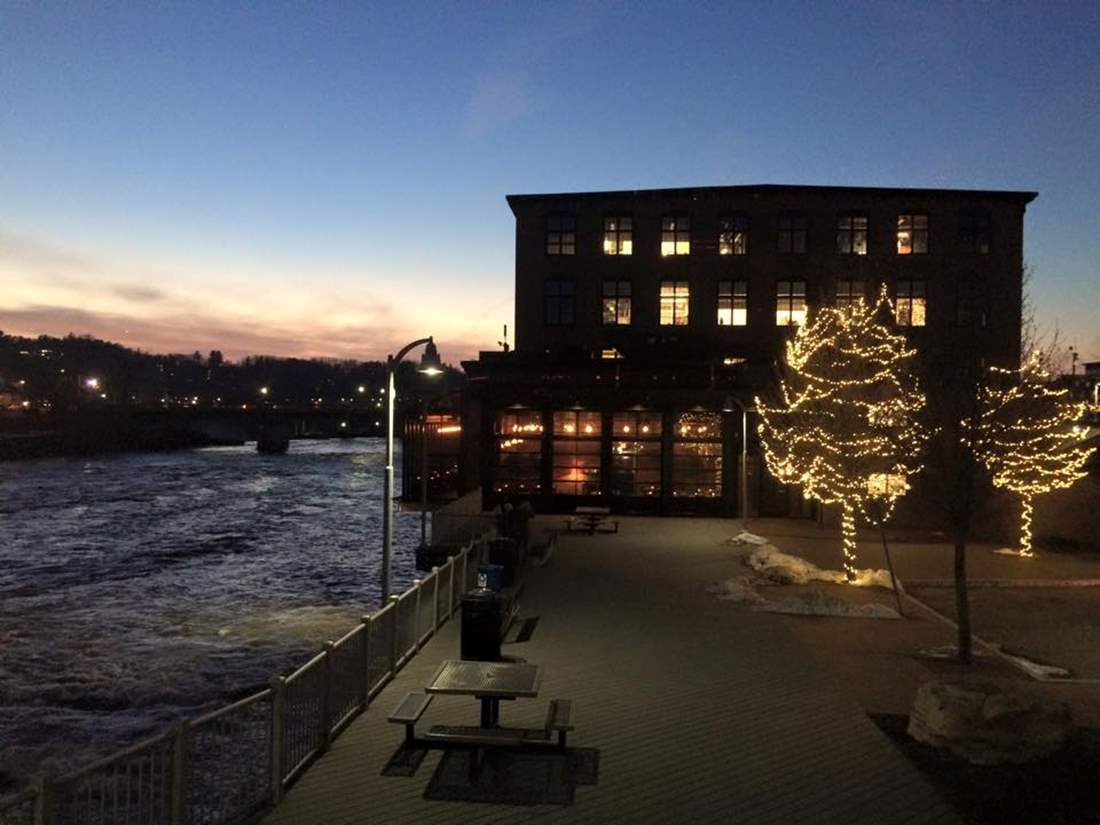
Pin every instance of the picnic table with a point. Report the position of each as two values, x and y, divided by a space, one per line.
487 681
592 518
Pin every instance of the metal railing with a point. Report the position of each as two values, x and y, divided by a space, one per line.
227 765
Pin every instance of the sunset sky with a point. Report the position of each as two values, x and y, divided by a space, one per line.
329 179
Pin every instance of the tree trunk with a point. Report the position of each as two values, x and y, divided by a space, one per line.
962 599
848 541
1025 528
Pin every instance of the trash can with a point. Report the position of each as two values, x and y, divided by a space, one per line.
482 615
493 576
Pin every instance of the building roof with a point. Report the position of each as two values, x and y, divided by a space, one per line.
711 191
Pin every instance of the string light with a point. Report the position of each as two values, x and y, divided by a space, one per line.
844 426
1030 437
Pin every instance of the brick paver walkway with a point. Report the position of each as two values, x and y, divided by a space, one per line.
701 711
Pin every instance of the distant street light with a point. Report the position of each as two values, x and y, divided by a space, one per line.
430 366
91 383
263 390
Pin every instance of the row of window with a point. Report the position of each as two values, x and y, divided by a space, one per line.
635 471
910 233
674 302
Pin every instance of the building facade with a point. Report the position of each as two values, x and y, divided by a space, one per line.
647 321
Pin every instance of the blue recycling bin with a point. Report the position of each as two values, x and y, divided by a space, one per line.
494 576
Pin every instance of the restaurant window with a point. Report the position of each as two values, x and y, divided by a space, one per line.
849 293
618 236
636 454
518 453
561 235
733 306
675 300
733 235
675 235
616 303
697 455
792 233
577 453
851 234
790 303
970 308
558 302
910 305
976 230
912 234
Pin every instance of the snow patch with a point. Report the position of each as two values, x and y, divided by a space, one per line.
1012 551
777 567
816 603
745 537
1036 669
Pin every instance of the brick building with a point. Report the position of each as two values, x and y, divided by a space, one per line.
647 321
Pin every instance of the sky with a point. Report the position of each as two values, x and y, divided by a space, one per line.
328 179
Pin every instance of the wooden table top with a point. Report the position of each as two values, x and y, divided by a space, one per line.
485 679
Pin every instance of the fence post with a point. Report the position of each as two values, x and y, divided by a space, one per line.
450 587
435 598
364 665
180 773
416 615
43 801
393 636
278 735
326 694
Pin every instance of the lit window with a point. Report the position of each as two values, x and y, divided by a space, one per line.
558 302
675 298
561 235
610 354
636 454
616 303
697 455
849 293
518 466
790 303
618 236
851 234
911 304
577 453
733 235
912 234
975 230
733 307
675 235
792 233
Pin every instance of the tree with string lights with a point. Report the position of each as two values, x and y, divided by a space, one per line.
843 426
1030 437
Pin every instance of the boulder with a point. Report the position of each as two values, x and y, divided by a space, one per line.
988 724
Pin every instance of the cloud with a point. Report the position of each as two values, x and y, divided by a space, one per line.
139 294
497 100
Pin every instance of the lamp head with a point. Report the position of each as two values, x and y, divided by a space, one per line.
430 364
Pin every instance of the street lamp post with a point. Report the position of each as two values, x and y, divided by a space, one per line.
431 366
743 481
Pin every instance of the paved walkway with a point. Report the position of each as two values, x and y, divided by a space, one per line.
702 712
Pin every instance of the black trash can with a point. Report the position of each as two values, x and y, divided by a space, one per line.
482 616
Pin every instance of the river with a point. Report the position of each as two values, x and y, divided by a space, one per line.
136 588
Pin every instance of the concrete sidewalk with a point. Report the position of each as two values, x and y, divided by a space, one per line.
701 712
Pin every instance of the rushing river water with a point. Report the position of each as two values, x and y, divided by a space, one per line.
137 588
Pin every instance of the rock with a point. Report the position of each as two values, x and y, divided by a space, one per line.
986 724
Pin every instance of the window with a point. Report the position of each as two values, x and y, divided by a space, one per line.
911 304
697 455
616 303
577 453
975 230
970 308
610 354
912 234
733 235
518 453
848 293
792 233
733 307
618 236
636 454
675 297
675 235
851 234
561 235
790 303
558 302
